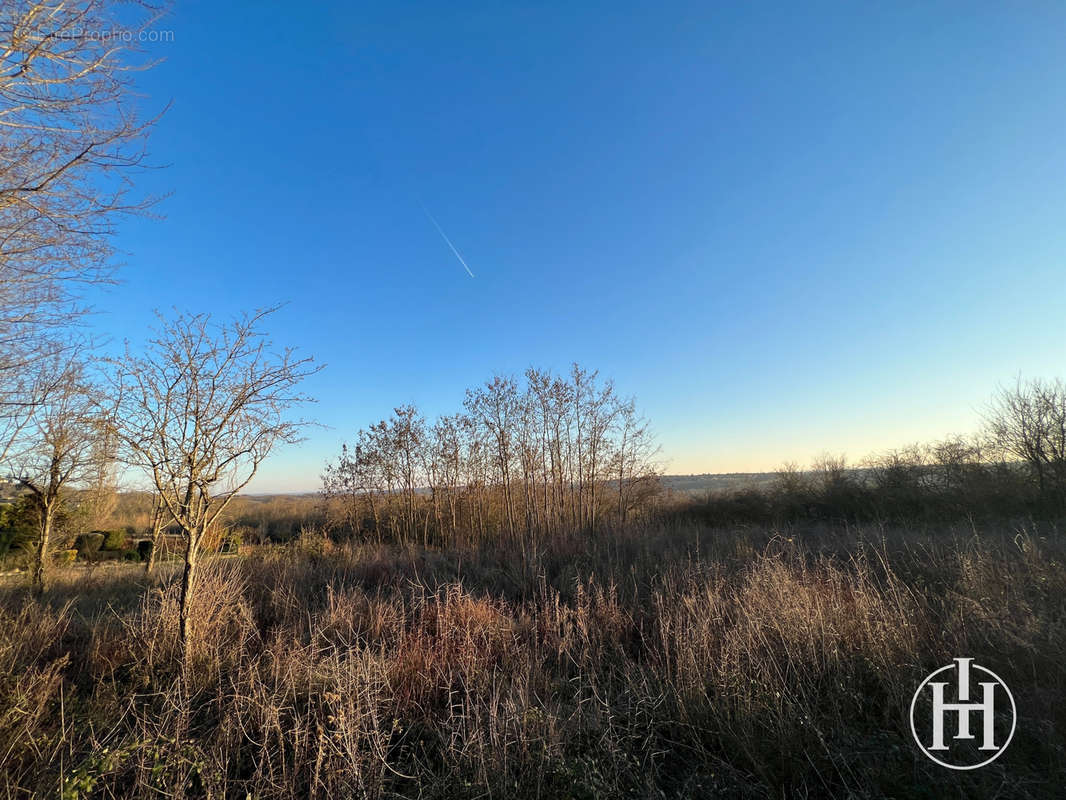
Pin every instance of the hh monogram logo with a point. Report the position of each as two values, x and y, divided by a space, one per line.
945 713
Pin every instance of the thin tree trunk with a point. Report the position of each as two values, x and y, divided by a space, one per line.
149 567
42 551
157 531
437 514
188 577
479 503
374 511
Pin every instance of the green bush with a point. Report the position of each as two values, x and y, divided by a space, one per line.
65 556
114 540
131 555
18 525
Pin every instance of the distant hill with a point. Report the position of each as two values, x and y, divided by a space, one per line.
683 484
718 481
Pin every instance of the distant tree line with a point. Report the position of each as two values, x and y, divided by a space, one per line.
1014 466
524 458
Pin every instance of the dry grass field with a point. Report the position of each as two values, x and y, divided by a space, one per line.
663 661
228 571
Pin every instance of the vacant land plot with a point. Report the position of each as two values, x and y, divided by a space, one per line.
667 661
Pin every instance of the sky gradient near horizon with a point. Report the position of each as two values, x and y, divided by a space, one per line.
784 231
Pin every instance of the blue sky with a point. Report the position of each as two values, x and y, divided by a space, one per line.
785 231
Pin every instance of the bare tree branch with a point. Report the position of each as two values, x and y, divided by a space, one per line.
70 141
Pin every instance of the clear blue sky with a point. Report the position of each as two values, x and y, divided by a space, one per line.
785 231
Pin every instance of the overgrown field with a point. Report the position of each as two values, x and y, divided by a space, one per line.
671 661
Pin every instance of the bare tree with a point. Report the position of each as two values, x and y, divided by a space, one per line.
199 412
600 409
831 472
406 434
636 468
496 407
99 498
64 445
1028 424
349 484
447 447
70 138
959 461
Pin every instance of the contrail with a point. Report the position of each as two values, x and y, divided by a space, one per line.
448 241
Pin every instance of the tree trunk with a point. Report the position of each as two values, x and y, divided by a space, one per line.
157 531
188 577
149 566
374 512
42 550
437 514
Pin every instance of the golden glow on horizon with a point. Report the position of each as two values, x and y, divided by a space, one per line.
746 451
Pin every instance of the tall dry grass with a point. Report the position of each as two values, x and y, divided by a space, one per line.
671 661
